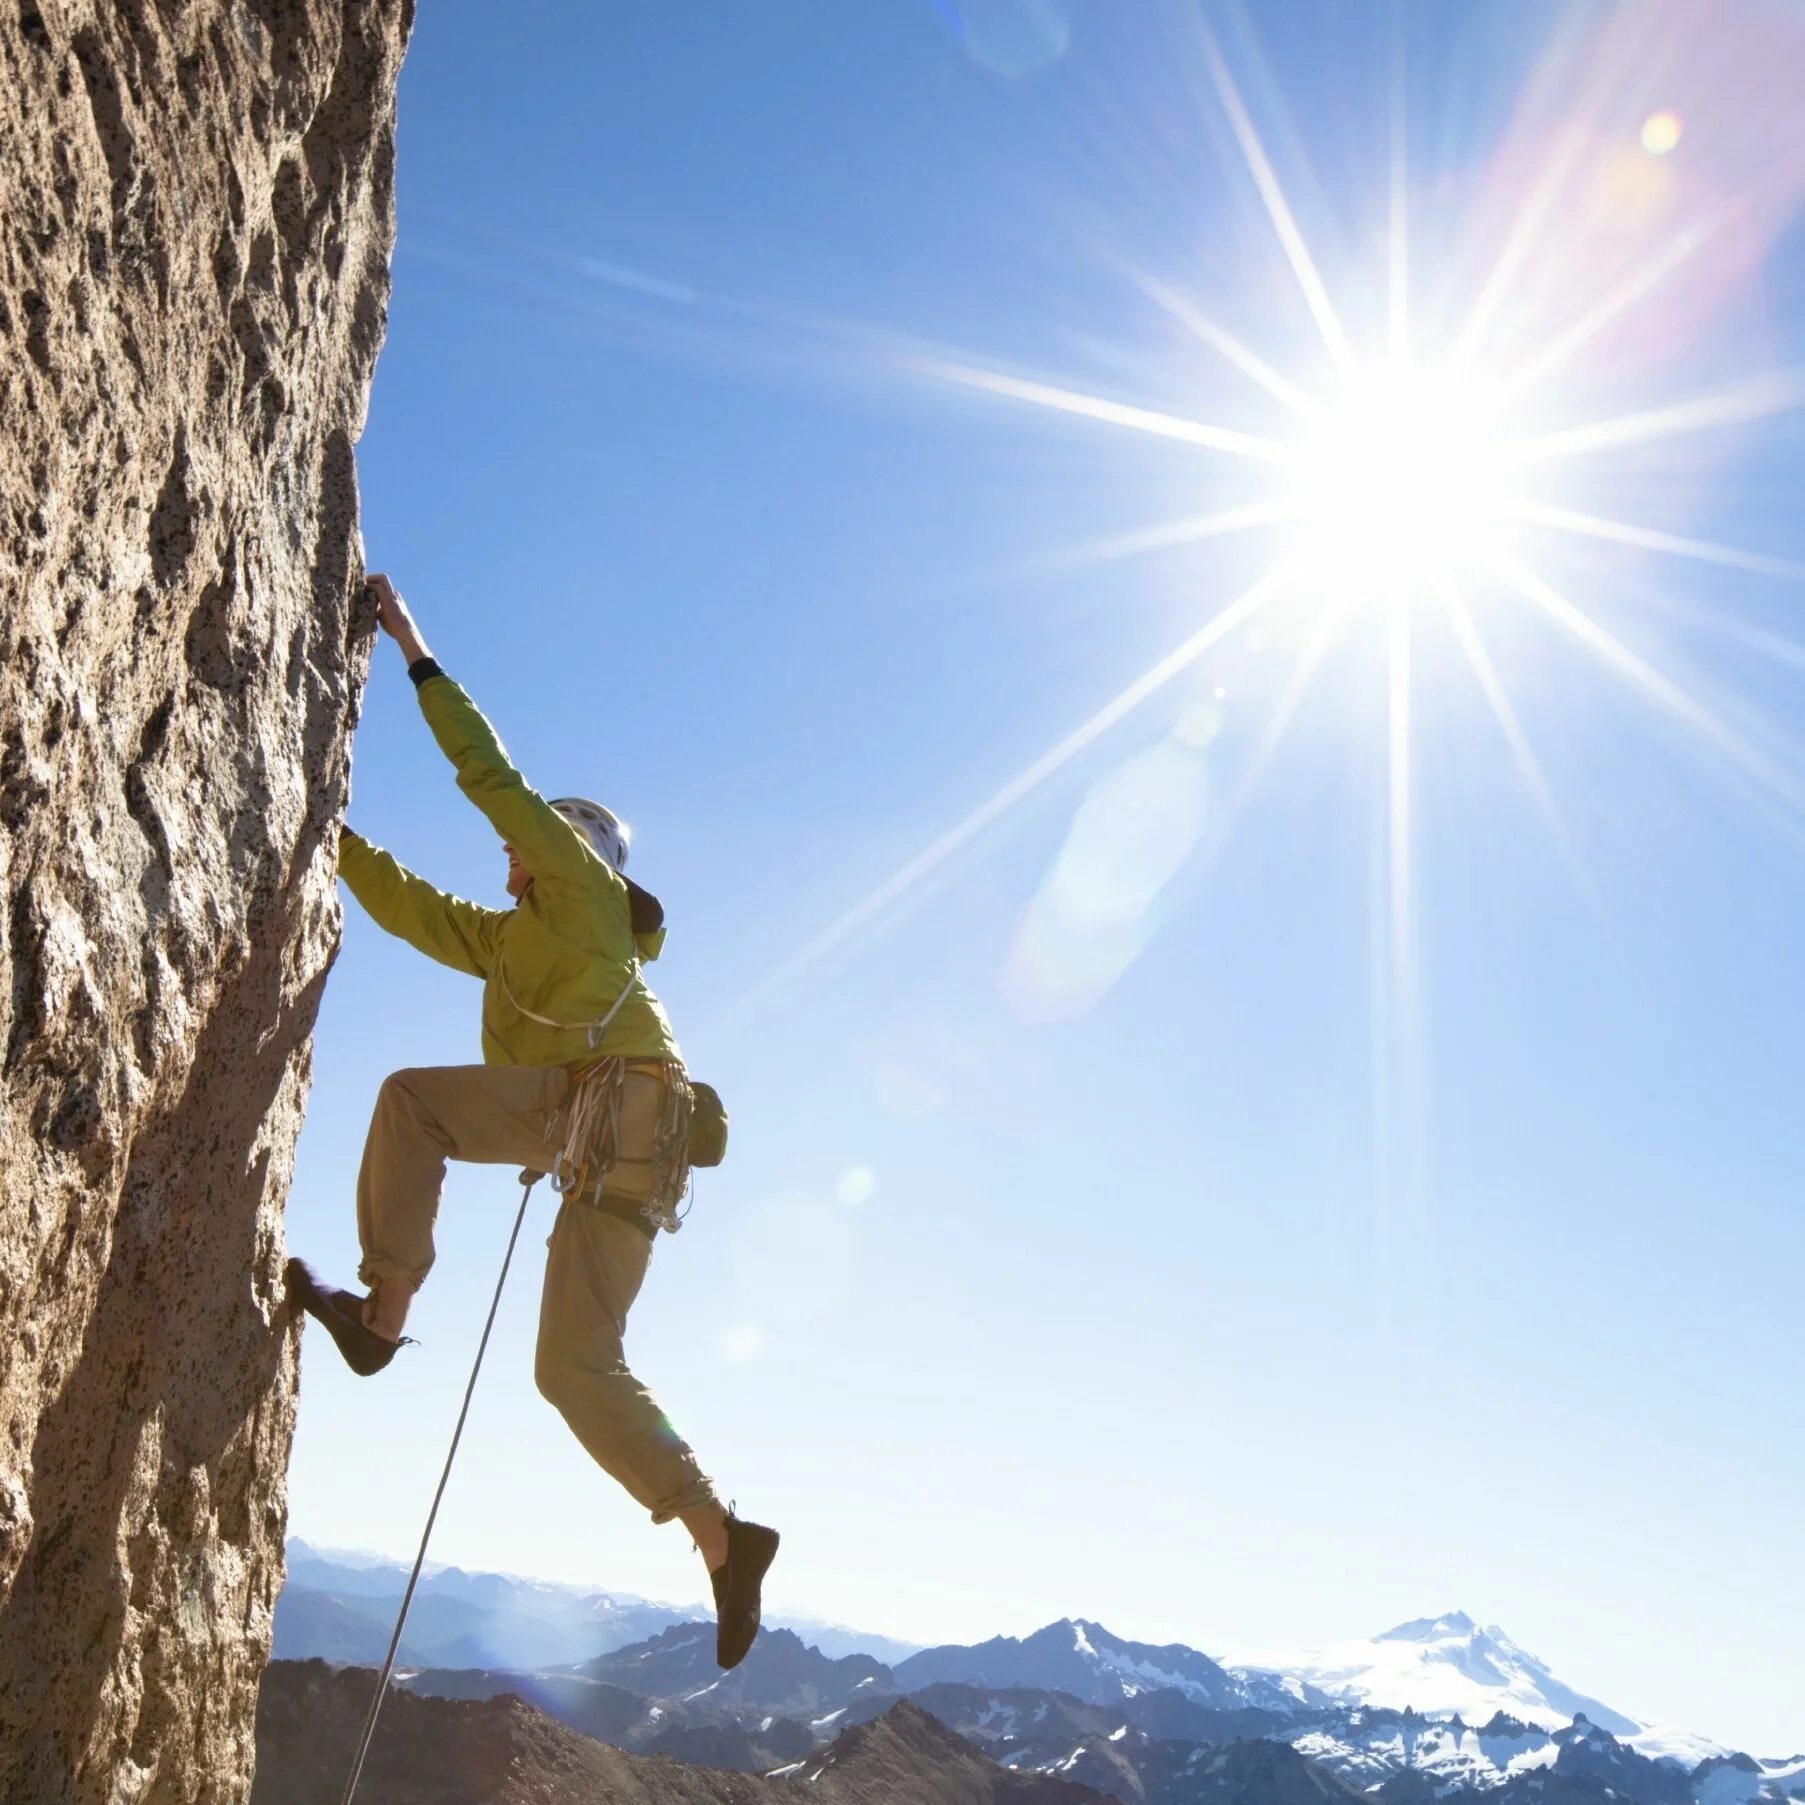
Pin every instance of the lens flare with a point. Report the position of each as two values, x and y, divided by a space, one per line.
1451 420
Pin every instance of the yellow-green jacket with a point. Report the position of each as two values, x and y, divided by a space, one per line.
564 951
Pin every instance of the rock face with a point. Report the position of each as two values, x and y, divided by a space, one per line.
196 205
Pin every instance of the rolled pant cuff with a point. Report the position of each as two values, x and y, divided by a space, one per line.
692 1497
373 1269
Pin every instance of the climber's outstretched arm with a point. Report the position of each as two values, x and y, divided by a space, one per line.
460 934
546 844
393 618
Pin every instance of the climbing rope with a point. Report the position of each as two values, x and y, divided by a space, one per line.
591 1155
482 1347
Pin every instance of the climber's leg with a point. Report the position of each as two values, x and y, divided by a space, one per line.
596 1266
488 1114
707 1526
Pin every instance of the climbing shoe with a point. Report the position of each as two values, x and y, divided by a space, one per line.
738 1581
340 1314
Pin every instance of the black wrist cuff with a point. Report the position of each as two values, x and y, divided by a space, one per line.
422 668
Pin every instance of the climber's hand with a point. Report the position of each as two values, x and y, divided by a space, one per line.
391 611
393 618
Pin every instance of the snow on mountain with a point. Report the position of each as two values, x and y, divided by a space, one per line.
1369 1746
1785 1778
1661 1742
1462 1707
1087 1661
1443 1666
1741 1780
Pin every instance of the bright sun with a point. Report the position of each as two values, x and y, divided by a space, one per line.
1425 474
1397 487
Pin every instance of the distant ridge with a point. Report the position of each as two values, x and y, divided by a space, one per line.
1438 1710
340 1604
1084 1659
435 1751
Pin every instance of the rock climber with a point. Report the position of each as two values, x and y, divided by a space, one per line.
581 1078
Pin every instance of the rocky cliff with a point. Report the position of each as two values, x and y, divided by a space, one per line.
196 207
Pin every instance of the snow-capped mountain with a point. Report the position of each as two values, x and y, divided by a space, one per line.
1337 1753
1444 1666
1437 1709
1728 1779
1084 1659
1369 1746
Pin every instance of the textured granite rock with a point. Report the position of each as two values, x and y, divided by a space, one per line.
196 205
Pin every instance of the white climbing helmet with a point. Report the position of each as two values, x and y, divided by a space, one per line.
602 828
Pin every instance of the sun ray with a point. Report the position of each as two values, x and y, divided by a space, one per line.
1278 209
1522 239
893 889
1770 645
1095 407
1398 798
1678 249
1278 724
1398 198
1524 233
1249 363
1504 711
1408 1078
1775 647
1656 687
1777 392
1167 535
1290 699
1397 1063
1595 526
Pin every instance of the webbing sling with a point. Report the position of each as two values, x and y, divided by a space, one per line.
595 1029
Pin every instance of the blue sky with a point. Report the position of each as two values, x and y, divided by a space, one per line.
1270 1180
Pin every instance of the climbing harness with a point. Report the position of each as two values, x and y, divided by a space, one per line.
595 1030
591 1151
592 1125
413 1579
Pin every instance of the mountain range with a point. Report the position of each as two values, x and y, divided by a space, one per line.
1085 1660
433 1751
1437 1709
1445 1665
341 1607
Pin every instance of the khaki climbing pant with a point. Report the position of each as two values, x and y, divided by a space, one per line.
509 1115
